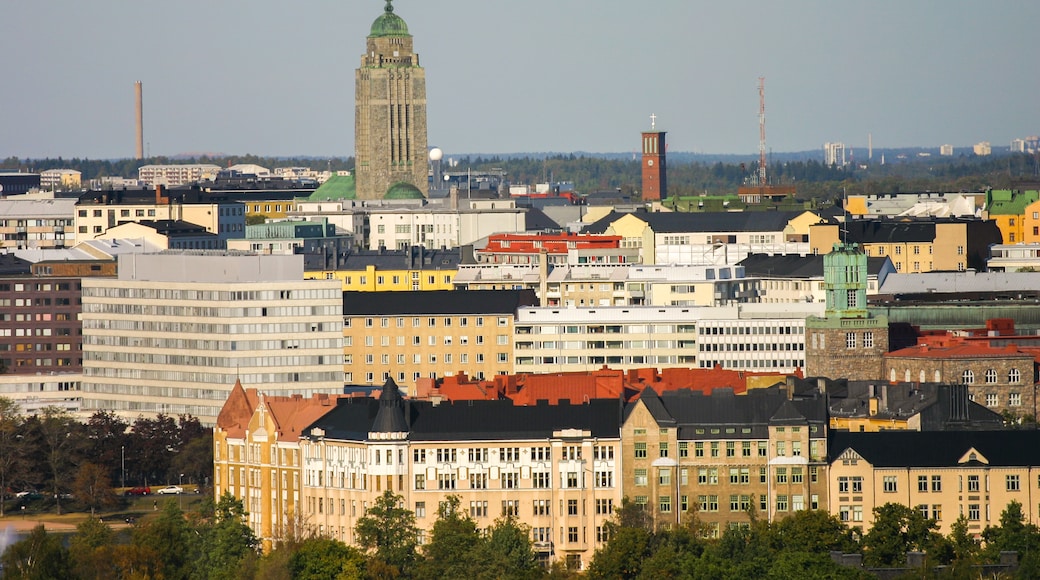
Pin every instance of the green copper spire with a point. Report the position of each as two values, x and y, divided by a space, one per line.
389 24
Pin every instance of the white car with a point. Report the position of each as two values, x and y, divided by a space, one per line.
171 490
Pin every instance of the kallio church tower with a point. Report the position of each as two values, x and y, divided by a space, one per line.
848 342
655 174
390 114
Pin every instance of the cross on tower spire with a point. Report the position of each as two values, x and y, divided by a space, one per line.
653 117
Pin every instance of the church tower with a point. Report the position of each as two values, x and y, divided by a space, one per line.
390 114
655 176
847 343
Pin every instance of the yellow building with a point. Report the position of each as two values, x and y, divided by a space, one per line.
724 455
943 474
414 269
554 467
1009 208
914 245
275 208
256 457
1031 223
407 335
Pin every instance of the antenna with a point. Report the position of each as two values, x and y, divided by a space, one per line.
761 130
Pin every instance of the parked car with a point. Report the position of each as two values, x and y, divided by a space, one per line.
140 490
171 490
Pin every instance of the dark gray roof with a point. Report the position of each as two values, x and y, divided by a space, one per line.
678 222
11 265
175 228
391 415
414 258
537 221
938 448
439 302
355 418
796 266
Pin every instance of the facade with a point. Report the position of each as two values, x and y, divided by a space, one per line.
555 467
175 330
60 179
982 148
40 330
915 204
293 237
941 474
96 212
834 154
740 337
390 113
34 392
1003 378
724 456
256 457
273 208
152 175
443 227
801 278
37 223
407 335
847 342
563 248
655 174
914 245
412 269
165 234
1009 208
1014 258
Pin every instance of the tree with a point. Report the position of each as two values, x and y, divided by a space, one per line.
228 542
454 541
169 538
11 445
326 559
1014 535
40 556
631 538
91 486
965 548
152 445
389 529
106 437
812 531
897 530
195 459
60 438
508 551
91 550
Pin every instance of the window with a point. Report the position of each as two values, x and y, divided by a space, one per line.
510 507
714 448
664 476
868 340
684 449
604 507
510 480
640 450
745 449
642 479
731 449
992 399
541 507
420 509
572 507
991 376
936 483
973 512
420 480
478 509
665 504
541 479
1014 376
850 340
968 377
663 450
698 449
922 484
781 503
1014 399
781 475
889 483
796 475
781 448
1012 483
973 483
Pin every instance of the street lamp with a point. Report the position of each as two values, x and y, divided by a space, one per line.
122 466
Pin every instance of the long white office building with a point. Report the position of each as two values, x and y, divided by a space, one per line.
764 337
175 331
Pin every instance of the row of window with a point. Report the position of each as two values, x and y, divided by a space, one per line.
431 322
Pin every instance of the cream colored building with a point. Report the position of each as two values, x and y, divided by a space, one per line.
443 227
741 337
93 218
176 174
36 222
942 474
555 467
174 331
58 179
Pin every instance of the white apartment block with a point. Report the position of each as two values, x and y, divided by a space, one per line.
34 392
153 175
175 331
703 249
946 150
743 337
834 154
443 227
1014 258
55 179
36 223
982 148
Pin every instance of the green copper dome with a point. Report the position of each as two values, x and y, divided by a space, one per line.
403 190
389 24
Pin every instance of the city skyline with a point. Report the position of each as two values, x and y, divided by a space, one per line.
277 79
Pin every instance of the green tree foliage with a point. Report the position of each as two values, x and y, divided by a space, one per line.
812 531
324 558
1014 534
508 552
228 544
40 556
91 551
106 442
169 538
389 530
452 549
61 437
12 446
92 488
899 529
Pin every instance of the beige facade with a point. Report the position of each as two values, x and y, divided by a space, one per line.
37 223
947 251
443 227
226 219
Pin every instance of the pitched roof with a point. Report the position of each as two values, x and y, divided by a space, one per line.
677 222
972 350
475 302
938 448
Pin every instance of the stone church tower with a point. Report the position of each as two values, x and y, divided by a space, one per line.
390 114
848 343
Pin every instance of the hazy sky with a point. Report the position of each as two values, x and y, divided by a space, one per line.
277 77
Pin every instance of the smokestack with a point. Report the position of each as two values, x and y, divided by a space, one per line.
139 100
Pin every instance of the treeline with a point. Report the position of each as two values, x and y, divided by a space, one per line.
98 168
214 542
52 453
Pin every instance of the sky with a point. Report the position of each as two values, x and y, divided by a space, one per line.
276 78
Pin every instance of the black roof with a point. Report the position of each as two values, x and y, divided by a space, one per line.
175 228
678 222
11 265
354 418
795 266
537 221
696 413
438 302
939 448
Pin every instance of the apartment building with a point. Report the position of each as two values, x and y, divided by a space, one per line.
724 455
562 248
175 330
34 392
555 467
741 337
37 223
801 278
435 226
407 335
256 457
187 174
414 268
1009 209
942 474
914 245
293 237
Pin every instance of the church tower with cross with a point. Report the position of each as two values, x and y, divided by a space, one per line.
390 114
655 175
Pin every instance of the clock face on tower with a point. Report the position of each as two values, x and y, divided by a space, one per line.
650 162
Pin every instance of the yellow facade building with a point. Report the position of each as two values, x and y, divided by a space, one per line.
412 269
